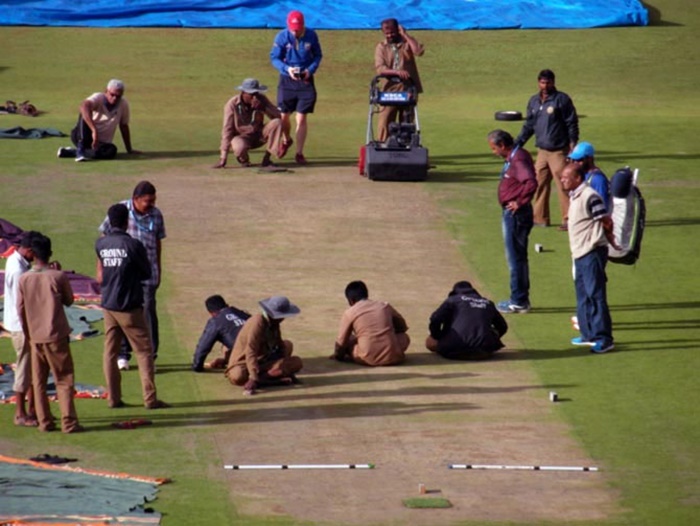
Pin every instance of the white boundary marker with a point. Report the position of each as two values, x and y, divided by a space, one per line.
527 468
299 466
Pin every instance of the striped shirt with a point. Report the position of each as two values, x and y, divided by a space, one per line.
149 229
586 209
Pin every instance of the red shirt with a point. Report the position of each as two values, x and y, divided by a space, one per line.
518 182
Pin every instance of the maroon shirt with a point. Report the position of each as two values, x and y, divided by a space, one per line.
518 182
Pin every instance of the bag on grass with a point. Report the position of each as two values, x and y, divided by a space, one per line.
628 215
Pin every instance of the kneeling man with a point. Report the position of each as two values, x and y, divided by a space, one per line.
466 326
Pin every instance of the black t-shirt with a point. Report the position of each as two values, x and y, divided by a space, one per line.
223 328
467 323
124 266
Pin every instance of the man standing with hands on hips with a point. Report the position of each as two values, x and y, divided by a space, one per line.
296 54
515 191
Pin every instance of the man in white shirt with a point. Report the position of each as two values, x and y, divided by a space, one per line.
17 264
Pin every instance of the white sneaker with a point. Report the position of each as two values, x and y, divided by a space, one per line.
123 364
65 151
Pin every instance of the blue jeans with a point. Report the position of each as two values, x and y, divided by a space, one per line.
516 230
591 297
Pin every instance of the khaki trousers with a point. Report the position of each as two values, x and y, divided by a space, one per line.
23 371
548 166
132 326
271 135
56 357
286 366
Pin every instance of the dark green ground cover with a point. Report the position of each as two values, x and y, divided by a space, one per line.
636 89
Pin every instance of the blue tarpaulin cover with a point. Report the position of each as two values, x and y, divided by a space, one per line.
327 14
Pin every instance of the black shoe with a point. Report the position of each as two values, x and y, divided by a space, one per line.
158 404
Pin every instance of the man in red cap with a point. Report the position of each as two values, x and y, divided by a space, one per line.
296 54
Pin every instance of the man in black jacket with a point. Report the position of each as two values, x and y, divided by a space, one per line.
122 265
223 326
466 326
551 117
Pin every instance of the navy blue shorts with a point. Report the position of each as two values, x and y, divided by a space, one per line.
296 95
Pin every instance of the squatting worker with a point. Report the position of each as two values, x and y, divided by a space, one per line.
100 116
260 356
122 266
466 326
396 56
590 232
515 190
244 125
552 117
296 54
146 224
223 326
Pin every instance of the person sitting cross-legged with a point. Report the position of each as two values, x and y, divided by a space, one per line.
371 332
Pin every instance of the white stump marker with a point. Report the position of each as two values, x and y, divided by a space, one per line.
523 468
298 466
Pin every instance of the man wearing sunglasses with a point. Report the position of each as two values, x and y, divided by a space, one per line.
100 116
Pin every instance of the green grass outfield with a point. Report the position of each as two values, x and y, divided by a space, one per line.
637 92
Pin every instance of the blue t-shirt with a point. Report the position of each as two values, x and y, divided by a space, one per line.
597 180
289 51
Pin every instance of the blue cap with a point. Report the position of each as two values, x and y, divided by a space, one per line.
582 150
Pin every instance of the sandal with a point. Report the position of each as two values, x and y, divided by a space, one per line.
25 108
132 424
52 459
26 421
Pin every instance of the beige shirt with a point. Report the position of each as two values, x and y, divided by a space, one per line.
374 324
106 120
586 211
397 56
254 345
42 295
242 119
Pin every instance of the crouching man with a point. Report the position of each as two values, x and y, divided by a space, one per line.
466 326
260 356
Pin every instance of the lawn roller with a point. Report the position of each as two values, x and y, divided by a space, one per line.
401 157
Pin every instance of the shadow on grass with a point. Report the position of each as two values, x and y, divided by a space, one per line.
662 325
178 154
248 410
631 307
681 221
460 177
656 18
